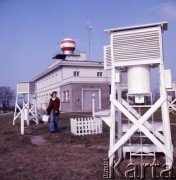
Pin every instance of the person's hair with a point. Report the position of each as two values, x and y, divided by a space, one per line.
54 92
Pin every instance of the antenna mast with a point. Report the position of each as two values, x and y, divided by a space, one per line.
89 28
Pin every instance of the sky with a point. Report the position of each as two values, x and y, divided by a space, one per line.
31 31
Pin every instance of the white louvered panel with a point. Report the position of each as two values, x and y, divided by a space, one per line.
107 57
142 46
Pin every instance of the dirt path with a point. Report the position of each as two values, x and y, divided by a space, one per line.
38 140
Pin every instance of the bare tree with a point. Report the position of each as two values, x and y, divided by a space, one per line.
7 96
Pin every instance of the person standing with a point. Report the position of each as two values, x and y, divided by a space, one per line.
53 111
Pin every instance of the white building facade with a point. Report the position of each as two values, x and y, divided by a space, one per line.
77 82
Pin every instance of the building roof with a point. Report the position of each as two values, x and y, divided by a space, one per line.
163 25
63 56
72 63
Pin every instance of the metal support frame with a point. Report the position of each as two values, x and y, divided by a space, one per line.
162 142
112 117
172 104
140 123
28 111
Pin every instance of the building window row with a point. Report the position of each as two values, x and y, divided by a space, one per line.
48 81
77 73
43 98
54 79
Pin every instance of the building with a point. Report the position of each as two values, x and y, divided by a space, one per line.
76 80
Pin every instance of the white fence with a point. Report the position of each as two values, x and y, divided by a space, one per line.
85 126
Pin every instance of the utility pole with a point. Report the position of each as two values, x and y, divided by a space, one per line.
89 28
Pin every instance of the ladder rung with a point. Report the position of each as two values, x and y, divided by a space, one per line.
138 148
142 154
139 135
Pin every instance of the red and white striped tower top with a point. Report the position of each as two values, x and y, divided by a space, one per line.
68 46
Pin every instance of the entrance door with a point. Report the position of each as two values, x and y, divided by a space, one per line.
88 95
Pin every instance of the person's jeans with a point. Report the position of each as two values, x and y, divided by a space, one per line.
53 121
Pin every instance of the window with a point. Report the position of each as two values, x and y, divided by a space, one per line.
99 74
65 96
75 73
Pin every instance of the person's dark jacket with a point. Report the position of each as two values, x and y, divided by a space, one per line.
55 105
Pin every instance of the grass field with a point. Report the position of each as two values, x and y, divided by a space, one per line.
60 156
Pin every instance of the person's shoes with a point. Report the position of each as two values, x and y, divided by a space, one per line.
52 131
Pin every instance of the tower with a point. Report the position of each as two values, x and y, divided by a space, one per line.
25 105
136 50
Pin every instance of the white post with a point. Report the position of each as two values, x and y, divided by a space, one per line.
166 119
16 102
28 107
93 108
112 117
119 116
22 122
36 112
26 115
165 110
93 105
